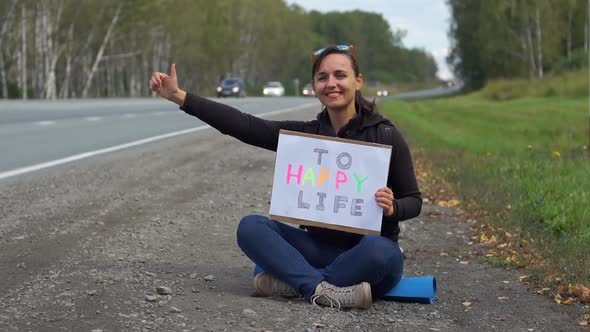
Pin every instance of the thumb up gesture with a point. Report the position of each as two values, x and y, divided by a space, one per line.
166 86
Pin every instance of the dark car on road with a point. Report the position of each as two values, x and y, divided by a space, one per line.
231 87
308 90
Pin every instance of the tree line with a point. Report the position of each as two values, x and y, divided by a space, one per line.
86 48
517 38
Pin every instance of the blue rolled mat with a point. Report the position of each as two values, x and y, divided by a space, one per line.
413 289
410 289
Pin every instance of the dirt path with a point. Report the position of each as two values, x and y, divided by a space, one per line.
84 247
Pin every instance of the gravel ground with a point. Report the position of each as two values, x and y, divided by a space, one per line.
144 240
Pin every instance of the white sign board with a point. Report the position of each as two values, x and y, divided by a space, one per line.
329 182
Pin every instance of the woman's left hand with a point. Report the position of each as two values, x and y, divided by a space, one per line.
384 198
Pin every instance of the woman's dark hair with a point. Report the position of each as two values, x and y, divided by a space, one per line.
359 101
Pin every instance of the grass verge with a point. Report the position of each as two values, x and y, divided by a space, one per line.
524 161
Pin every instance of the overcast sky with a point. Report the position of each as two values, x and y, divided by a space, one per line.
426 21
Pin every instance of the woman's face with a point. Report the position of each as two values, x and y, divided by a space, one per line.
335 84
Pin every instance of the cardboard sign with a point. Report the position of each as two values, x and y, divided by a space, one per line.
329 182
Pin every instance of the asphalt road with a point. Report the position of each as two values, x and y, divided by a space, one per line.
431 93
35 133
38 134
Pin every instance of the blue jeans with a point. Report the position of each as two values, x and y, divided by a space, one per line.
303 258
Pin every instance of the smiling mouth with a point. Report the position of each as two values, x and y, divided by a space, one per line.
333 94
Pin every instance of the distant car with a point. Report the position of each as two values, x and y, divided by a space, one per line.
308 90
273 89
231 87
447 84
382 93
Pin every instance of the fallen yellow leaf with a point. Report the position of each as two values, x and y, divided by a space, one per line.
453 202
568 301
466 303
491 240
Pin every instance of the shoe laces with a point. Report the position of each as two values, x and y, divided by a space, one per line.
325 300
335 297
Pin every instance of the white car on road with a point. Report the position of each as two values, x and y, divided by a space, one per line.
273 89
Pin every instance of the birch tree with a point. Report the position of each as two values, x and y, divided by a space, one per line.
23 69
65 88
6 21
100 52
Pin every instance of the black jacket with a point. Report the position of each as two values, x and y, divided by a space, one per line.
265 134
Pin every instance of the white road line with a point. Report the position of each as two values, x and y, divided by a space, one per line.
93 118
128 116
44 123
89 154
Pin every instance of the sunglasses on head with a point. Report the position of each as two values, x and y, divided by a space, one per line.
344 48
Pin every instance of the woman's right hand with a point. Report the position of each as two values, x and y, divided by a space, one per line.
166 86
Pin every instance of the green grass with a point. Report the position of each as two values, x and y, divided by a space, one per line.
530 154
571 84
